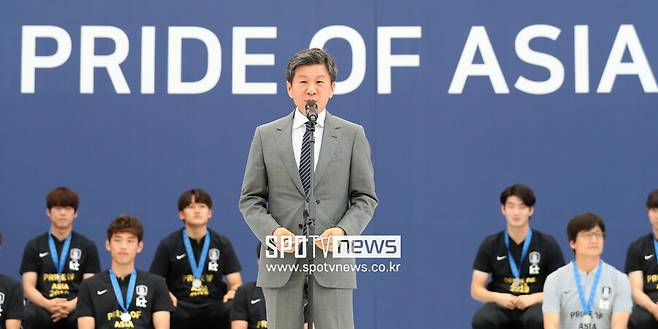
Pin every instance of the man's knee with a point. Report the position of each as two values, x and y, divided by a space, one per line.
489 316
532 318
641 319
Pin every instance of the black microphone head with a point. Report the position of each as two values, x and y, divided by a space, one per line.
311 111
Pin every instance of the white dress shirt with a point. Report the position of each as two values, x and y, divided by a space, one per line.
298 129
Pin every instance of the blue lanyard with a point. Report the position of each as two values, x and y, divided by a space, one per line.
524 253
655 248
587 307
197 269
125 305
59 263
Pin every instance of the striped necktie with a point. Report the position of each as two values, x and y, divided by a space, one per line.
305 159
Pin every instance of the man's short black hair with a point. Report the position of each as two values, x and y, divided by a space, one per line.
196 195
583 223
311 56
652 199
126 224
521 191
62 196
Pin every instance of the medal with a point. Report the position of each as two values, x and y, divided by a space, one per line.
587 306
512 263
125 317
516 282
197 268
59 261
124 304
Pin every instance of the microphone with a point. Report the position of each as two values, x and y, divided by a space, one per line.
311 111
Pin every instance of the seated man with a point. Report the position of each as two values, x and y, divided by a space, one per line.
124 297
55 263
194 260
518 259
248 309
11 302
587 293
642 269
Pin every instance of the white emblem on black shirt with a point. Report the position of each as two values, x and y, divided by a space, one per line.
100 292
141 291
254 301
2 301
43 254
179 257
500 257
75 254
647 257
534 258
213 254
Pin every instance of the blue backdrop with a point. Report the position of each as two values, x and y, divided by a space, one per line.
441 159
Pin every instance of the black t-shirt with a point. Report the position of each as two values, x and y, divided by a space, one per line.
11 300
641 256
544 257
249 305
170 261
82 258
97 299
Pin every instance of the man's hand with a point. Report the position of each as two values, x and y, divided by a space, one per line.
229 295
57 309
525 301
507 301
654 311
326 241
285 244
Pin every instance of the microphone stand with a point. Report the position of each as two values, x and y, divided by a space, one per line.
311 204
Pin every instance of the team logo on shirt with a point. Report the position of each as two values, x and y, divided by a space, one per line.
141 291
2 301
606 294
75 254
534 258
213 255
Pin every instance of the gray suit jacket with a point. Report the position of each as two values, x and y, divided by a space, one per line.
272 194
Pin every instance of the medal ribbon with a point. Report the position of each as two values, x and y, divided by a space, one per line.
125 305
197 268
61 260
655 248
587 307
524 253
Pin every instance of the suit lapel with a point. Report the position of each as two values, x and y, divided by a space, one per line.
284 142
329 146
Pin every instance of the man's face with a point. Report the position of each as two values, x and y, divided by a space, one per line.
516 212
62 217
311 83
124 247
196 214
589 243
653 217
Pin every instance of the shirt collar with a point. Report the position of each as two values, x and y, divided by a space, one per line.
299 120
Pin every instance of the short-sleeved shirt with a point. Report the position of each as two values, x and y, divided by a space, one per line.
544 256
249 305
98 300
613 294
171 262
11 300
82 258
641 256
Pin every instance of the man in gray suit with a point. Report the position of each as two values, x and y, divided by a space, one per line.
273 196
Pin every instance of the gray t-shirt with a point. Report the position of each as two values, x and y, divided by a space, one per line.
613 294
